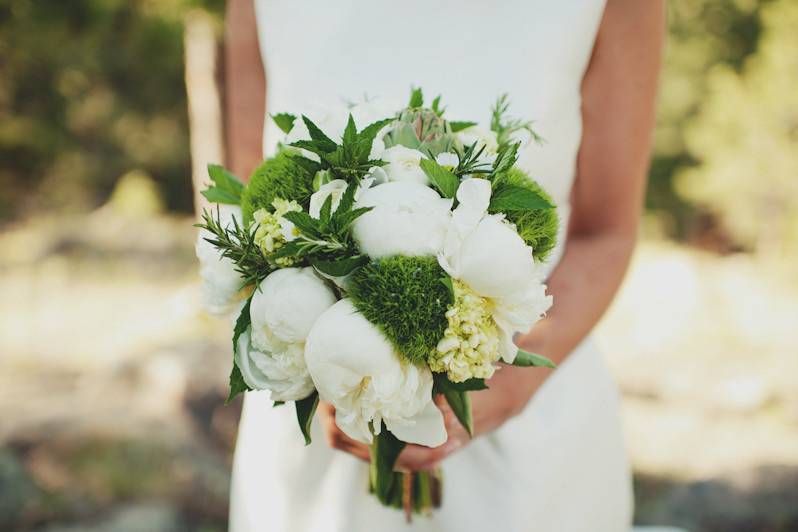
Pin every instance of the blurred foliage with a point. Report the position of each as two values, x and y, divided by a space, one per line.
747 138
91 90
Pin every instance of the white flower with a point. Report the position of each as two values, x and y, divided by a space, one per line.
282 372
282 312
489 256
221 290
447 159
407 219
357 370
334 188
404 164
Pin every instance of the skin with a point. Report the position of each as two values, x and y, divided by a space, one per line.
618 97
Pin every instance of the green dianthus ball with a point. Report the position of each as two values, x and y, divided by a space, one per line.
538 228
279 177
406 299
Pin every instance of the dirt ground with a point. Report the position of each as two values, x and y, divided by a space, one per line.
112 383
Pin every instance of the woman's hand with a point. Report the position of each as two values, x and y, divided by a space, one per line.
509 391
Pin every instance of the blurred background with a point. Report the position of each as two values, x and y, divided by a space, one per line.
112 380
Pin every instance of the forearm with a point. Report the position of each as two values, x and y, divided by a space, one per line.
245 89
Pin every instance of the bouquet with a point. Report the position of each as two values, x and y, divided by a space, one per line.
381 257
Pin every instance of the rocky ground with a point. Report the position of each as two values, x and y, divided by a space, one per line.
112 383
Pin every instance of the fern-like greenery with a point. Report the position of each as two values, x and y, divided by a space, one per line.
284 176
538 227
406 298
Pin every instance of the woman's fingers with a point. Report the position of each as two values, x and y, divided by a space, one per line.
336 438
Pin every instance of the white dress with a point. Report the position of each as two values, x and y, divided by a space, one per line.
560 466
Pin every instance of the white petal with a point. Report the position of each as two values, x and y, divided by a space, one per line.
426 428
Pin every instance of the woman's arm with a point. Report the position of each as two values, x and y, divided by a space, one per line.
618 94
245 89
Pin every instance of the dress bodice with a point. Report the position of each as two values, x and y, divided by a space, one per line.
319 52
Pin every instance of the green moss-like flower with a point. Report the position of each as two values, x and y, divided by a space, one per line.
280 177
538 228
470 344
405 298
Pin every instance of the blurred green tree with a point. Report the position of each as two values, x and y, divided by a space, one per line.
745 138
89 90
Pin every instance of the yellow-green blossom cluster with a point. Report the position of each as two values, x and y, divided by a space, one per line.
470 345
273 230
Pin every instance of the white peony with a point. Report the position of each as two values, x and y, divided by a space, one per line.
488 255
282 372
357 370
407 219
221 285
282 312
404 164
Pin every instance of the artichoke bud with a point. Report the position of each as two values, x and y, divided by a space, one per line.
421 129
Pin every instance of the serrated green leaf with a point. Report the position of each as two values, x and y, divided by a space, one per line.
350 132
525 359
304 222
370 131
305 409
217 195
385 450
459 125
416 98
347 199
326 210
226 187
340 267
285 121
322 141
237 384
505 158
345 220
441 178
514 198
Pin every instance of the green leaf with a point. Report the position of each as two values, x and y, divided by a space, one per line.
506 158
525 359
326 210
371 130
304 222
471 385
416 98
285 121
345 220
322 141
441 178
515 198
217 195
436 106
237 384
305 409
460 403
226 187
350 133
340 267
459 125
347 199
447 282
385 450
458 399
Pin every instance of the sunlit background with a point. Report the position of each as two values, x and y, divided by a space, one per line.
112 380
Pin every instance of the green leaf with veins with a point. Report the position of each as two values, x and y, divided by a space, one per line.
237 384
514 198
285 121
226 187
445 181
305 410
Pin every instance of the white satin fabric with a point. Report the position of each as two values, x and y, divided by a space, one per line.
558 467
